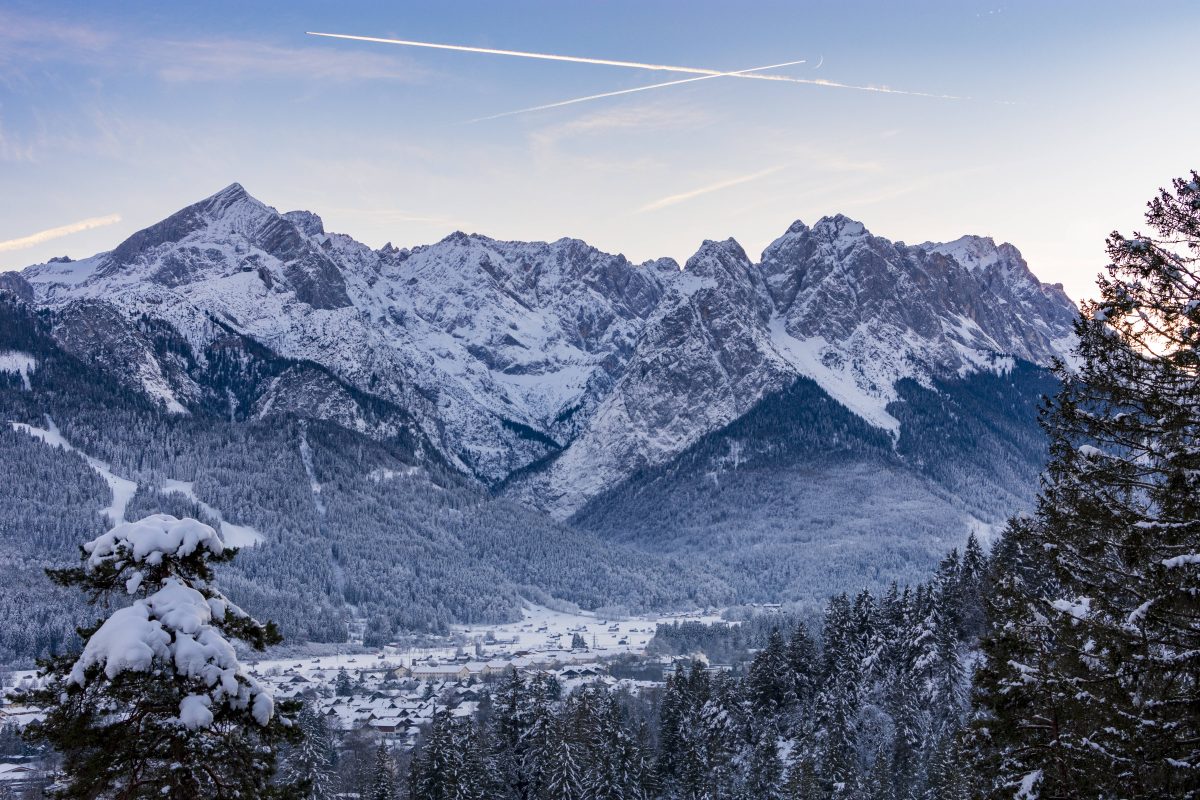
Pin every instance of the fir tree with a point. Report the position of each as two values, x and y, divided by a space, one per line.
801 782
803 666
309 763
838 701
770 678
764 771
157 703
342 683
1119 515
383 776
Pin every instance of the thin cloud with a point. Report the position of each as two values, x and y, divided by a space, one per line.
575 100
51 234
27 41
608 62
232 59
672 199
641 117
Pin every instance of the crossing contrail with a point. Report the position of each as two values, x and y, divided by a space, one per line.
635 89
715 73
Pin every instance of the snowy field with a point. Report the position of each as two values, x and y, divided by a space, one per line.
543 633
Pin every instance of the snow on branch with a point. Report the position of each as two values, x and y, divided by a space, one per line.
151 539
178 625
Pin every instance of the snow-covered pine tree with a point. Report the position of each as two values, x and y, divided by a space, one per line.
562 764
342 683
764 770
769 680
971 586
157 704
838 700
309 763
1119 514
946 689
803 665
801 781
1018 703
383 776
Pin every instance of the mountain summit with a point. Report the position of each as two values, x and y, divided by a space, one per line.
551 371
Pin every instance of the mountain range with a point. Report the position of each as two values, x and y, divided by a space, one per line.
842 408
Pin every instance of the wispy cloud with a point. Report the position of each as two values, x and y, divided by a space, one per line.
27 40
51 234
13 149
232 59
640 117
681 197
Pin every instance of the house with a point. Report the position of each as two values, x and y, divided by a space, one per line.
440 672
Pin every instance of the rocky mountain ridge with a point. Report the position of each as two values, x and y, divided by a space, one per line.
548 371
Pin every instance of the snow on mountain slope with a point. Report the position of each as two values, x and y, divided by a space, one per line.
553 370
122 489
854 312
18 363
494 346
703 359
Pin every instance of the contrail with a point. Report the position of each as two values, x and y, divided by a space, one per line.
55 233
543 56
634 65
671 200
635 89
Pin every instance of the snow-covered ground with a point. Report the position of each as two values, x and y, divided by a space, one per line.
122 489
543 633
19 363
232 535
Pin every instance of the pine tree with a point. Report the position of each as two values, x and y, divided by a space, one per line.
342 683
510 721
764 770
803 665
971 586
1119 514
309 764
157 703
801 782
1018 704
838 701
562 774
770 678
383 776
946 690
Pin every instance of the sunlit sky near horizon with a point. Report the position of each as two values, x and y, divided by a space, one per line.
113 116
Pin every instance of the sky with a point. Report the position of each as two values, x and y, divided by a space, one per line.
1050 125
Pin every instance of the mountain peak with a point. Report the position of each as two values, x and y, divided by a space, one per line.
309 223
972 252
839 226
231 195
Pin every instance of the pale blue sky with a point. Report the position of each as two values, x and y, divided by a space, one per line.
1077 112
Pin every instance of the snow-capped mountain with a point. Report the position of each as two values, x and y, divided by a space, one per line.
549 371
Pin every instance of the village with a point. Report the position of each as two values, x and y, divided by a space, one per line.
394 691
397 690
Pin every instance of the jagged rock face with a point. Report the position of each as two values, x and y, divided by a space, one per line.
17 286
703 359
552 369
498 349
